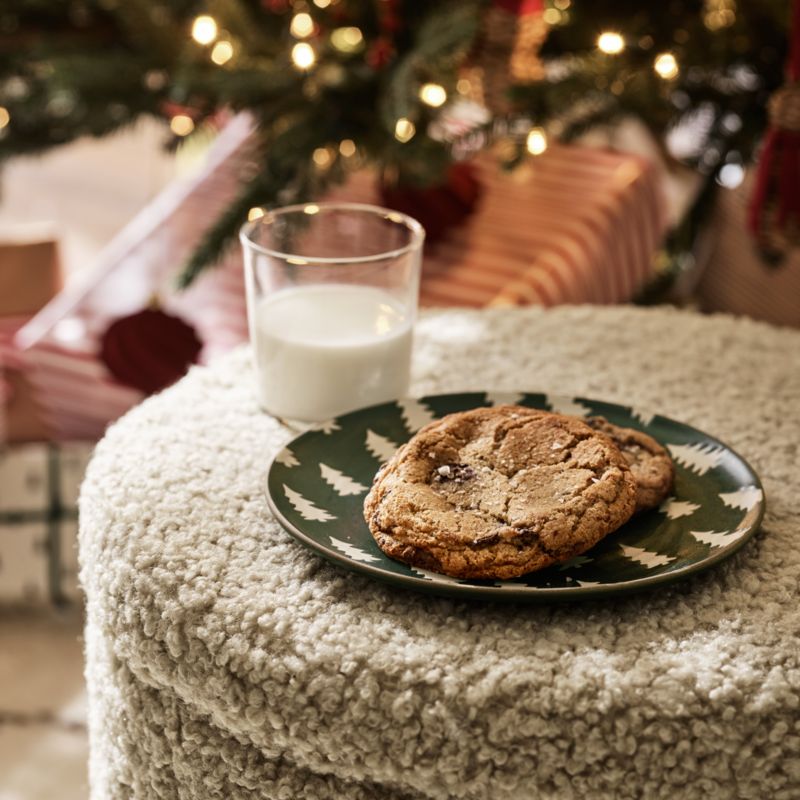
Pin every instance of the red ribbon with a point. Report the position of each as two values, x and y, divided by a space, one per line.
779 166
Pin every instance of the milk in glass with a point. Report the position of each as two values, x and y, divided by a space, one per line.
326 349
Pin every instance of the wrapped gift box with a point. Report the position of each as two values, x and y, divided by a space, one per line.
30 277
736 279
39 486
59 347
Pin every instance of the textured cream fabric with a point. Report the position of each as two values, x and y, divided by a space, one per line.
226 661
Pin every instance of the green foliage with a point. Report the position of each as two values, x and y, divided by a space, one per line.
89 67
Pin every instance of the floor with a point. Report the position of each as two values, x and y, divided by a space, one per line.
43 743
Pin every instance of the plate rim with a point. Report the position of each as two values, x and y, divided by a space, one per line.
513 592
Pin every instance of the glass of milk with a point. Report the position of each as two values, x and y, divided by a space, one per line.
332 294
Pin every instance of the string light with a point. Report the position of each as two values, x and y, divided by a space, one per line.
348 39
536 143
432 94
302 25
222 52
303 55
730 176
666 66
322 157
552 16
463 86
181 125
347 147
562 5
404 130
5 117
254 214
204 29
322 3
610 43
719 14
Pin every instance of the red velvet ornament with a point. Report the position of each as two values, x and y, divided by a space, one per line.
774 217
380 53
276 6
437 208
520 7
149 350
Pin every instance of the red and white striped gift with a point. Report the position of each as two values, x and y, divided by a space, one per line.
581 228
59 347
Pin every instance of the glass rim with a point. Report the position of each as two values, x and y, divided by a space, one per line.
412 225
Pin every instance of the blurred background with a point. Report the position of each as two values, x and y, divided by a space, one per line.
557 151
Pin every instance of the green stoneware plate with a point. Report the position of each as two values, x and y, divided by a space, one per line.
316 487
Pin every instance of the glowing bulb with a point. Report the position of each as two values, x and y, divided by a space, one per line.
536 141
463 86
302 25
347 39
666 66
347 147
222 52
311 209
322 3
611 43
303 55
204 29
730 176
254 214
404 130
181 125
5 117
552 16
322 157
432 94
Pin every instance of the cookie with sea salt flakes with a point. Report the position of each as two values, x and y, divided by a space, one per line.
498 492
650 463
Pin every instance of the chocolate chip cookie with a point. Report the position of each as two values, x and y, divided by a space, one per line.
498 492
650 463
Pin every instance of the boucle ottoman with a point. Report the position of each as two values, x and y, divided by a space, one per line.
226 661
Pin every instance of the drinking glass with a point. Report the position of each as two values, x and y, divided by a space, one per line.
332 293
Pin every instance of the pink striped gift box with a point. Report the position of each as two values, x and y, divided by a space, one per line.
580 225
59 346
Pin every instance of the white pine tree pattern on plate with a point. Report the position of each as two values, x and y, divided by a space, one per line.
718 538
356 553
745 498
504 398
699 457
380 447
675 509
415 414
567 405
644 416
327 427
588 583
436 577
646 557
287 458
343 485
305 508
